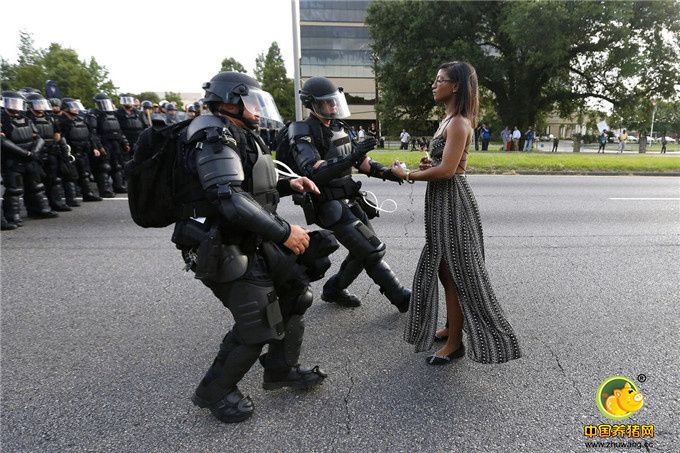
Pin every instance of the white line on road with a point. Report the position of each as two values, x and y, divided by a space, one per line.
114 199
643 198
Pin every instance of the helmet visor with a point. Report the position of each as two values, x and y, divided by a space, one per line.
332 106
105 105
14 104
127 100
40 105
262 104
70 105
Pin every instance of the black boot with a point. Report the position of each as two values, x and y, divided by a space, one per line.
70 194
6 226
57 198
104 185
12 209
232 408
335 291
38 206
298 377
119 183
381 274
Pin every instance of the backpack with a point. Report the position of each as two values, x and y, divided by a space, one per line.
283 153
151 175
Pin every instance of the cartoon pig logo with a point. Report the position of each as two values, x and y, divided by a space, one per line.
619 398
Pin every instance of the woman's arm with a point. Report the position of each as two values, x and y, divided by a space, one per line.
457 133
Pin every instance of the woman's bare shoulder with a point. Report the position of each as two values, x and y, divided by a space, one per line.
459 125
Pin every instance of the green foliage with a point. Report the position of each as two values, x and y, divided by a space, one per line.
533 56
74 77
171 96
230 64
270 71
148 96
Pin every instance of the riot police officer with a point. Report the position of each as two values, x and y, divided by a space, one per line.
254 261
56 157
170 113
21 169
84 144
130 121
322 150
56 106
108 167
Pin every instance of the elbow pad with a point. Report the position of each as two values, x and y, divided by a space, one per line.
217 164
241 209
331 169
301 145
38 146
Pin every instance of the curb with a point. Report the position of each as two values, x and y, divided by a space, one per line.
574 173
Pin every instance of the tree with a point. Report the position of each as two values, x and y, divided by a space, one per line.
270 71
230 64
148 96
532 56
74 78
171 96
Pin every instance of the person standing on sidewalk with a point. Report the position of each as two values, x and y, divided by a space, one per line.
622 141
664 142
602 140
506 136
516 135
528 139
556 141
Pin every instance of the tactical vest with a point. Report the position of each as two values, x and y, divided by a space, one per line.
108 126
264 179
45 127
340 146
21 132
130 123
79 133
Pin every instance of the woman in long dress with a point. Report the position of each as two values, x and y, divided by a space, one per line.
454 246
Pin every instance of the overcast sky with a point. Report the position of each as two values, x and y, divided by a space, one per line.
150 46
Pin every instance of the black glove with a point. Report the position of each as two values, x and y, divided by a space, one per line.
359 149
378 170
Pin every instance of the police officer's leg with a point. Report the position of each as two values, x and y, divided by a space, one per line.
54 183
116 160
281 362
85 177
334 215
257 320
35 199
6 224
101 167
363 244
14 185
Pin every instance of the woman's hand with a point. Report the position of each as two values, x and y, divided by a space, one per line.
398 170
425 163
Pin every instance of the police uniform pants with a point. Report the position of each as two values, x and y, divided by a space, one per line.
116 162
252 329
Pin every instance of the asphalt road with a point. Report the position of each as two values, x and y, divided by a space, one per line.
104 337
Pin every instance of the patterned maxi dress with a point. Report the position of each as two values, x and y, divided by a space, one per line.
454 234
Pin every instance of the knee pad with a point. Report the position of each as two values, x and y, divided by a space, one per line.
374 257
359 239
105 167
303 302
256 311
14 182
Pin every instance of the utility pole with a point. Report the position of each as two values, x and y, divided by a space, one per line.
296 60
651 132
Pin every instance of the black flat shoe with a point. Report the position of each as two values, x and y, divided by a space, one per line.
343 298
438 339
434 359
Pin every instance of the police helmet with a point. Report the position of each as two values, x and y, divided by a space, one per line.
37 102
13 100
147 104
231 87
321 95
103 102
55 102
127 100
73 106
191 108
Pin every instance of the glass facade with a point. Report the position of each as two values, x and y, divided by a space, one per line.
335 43
333 11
